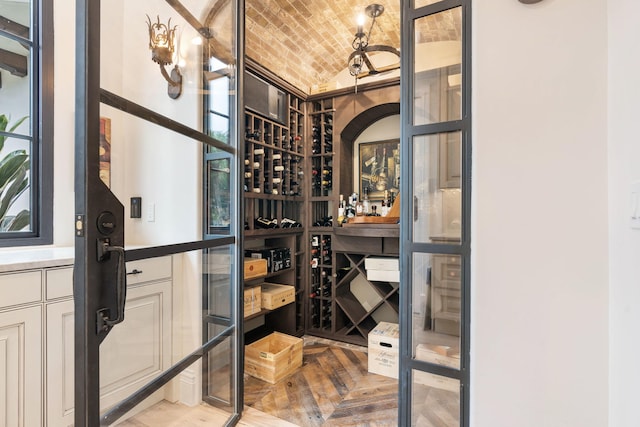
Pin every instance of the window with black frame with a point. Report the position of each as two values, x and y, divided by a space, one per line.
26 122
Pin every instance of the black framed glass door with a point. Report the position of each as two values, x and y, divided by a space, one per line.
435 225
155 291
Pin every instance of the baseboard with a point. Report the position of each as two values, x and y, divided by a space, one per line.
190 393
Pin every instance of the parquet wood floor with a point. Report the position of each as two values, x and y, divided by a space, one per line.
332 388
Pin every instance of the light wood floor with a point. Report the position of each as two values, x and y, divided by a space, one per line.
166 414
333 388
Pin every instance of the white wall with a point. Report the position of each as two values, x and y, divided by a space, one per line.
624 168
539 243
160 166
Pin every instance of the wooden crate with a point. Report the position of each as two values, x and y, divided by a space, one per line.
252 300
254 267
275 295
273 357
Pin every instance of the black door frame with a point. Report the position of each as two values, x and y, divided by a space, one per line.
99 231
407 246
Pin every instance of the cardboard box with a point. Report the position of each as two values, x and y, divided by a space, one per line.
275 295
324 87
273 357
252 300
383 352
440 355
277 258
376 263
383 275
364 293
254 268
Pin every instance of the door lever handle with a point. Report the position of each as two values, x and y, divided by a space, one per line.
104 250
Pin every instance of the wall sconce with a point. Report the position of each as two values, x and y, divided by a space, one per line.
161 44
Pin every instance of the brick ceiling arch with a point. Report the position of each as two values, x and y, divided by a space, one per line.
308 42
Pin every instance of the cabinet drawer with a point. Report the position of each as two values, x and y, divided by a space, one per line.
147 270
447 305
20 288
446 272
59 283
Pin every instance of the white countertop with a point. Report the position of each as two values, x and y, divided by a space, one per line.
24 259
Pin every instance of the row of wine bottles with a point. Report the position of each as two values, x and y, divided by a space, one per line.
262 222
271 172
281 140
322 134
320 283
321 314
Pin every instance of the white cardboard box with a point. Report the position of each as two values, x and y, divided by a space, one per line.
384 275
383 350
364 292
373 263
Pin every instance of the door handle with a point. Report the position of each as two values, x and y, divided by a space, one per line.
415 208
104 251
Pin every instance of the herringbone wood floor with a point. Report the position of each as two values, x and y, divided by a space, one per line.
333 388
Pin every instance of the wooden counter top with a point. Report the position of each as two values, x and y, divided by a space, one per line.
368 230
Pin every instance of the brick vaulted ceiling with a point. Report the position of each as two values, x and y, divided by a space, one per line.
307 42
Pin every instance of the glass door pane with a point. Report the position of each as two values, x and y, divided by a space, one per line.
435 215
437 199
437 73
156 306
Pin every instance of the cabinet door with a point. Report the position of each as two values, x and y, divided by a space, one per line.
449 158
21 367
143 340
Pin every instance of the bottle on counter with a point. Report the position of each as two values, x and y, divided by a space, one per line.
385 204
341 210
366 204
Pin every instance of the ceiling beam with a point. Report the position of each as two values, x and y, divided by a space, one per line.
14 63
12 27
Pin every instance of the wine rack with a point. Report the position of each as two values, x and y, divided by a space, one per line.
321 183
274 161
321 285
360 304
274 213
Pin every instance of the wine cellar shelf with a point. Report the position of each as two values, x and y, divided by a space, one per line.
344 304
274 161
296 168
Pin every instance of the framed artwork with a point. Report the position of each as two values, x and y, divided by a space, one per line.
379 168
105 151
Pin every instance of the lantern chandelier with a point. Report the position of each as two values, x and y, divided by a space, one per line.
161 44
360 64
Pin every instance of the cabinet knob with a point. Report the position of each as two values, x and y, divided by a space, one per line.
134 271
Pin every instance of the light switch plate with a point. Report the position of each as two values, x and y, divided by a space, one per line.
151 212
635 205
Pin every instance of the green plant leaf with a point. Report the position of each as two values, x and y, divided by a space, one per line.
14 179
18 186
4 122
20 221
10 165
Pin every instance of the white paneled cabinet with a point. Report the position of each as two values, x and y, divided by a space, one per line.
133 353
21 367
37 365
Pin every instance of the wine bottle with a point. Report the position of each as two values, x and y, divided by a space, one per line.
366 204
258 152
